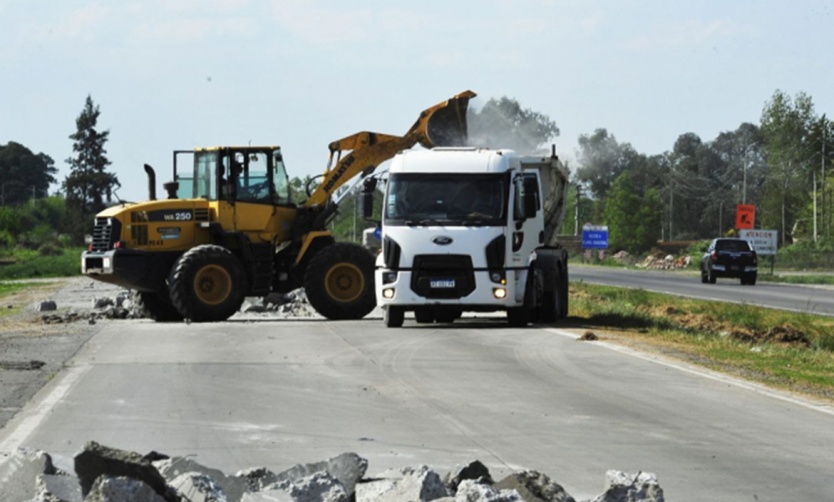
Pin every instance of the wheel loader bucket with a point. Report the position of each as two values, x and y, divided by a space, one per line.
444 124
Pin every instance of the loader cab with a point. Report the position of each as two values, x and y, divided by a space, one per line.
232 174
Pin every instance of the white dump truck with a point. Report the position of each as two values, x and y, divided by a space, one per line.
472 230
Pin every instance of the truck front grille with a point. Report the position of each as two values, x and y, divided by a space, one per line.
444 270
105 233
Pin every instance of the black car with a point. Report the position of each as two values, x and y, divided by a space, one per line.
729 257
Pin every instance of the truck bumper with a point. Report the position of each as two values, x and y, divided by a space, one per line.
132 269
395 288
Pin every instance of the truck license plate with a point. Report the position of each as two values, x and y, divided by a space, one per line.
442 283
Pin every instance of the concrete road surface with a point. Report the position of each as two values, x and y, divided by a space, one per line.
243 394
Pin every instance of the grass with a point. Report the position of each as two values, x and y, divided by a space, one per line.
10 291
788 350
31 264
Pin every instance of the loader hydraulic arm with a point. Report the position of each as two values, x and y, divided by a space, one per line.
444 124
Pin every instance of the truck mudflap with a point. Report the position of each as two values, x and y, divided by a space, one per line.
132 269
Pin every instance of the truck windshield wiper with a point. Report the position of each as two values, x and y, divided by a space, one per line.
419 222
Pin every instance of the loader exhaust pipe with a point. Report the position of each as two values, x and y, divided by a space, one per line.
151 182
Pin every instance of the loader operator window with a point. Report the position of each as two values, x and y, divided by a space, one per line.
280 178
253 177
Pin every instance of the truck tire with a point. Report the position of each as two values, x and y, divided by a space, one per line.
518 317
564 291
424 315
711 278
340 281
154 306
393 316
207 284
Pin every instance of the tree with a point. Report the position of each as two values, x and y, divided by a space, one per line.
88 185
633 218
503 123
24 175
787 128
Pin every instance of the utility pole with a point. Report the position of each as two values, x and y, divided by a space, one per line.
744 177
576 210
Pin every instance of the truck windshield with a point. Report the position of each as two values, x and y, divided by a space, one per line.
446 199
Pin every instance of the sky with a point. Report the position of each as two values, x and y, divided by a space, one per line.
179 74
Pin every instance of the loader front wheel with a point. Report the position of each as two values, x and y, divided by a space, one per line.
207 284
155 306
340 281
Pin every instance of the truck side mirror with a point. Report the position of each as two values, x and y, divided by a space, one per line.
525 200
367 201
366 197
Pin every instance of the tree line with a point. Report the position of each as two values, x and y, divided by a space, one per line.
780 165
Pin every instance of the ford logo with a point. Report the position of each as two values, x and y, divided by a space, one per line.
442 240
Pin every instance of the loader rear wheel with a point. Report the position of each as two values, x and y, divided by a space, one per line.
155 306
340 281
207 284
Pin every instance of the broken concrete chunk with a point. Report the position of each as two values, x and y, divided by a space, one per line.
122 489
474 470
20 471
46 306
58 488
411 484
257 478
471 491
97 460
534 486
348 468
103 302
624 487
276 495
233 486
197 487
320 487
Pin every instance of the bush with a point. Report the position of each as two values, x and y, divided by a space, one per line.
50 249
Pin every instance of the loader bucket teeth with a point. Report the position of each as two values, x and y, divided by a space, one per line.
445 124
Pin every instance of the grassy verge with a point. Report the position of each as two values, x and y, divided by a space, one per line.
15 295
31 264
783 349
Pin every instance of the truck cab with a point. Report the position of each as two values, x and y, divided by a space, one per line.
463 229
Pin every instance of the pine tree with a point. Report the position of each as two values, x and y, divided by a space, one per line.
89 185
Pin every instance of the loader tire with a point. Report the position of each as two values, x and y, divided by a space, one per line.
154 306
340 281
207 284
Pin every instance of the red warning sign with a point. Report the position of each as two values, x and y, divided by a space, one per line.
745 216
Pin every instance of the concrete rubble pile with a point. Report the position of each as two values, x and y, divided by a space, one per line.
104 474
291 305
667 262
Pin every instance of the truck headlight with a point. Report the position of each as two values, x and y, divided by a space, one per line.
388 293
499 293
106 263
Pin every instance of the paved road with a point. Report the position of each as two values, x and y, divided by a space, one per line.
818 300
244 394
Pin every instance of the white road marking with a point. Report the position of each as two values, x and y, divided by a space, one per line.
21 427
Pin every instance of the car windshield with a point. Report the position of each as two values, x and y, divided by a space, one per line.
446 199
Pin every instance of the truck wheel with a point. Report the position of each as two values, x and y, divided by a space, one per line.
551 308
340 281
207 284
393 316
154 306
423 315
711 276
564 292
520 316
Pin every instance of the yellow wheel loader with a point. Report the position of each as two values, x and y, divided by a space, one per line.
229 228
